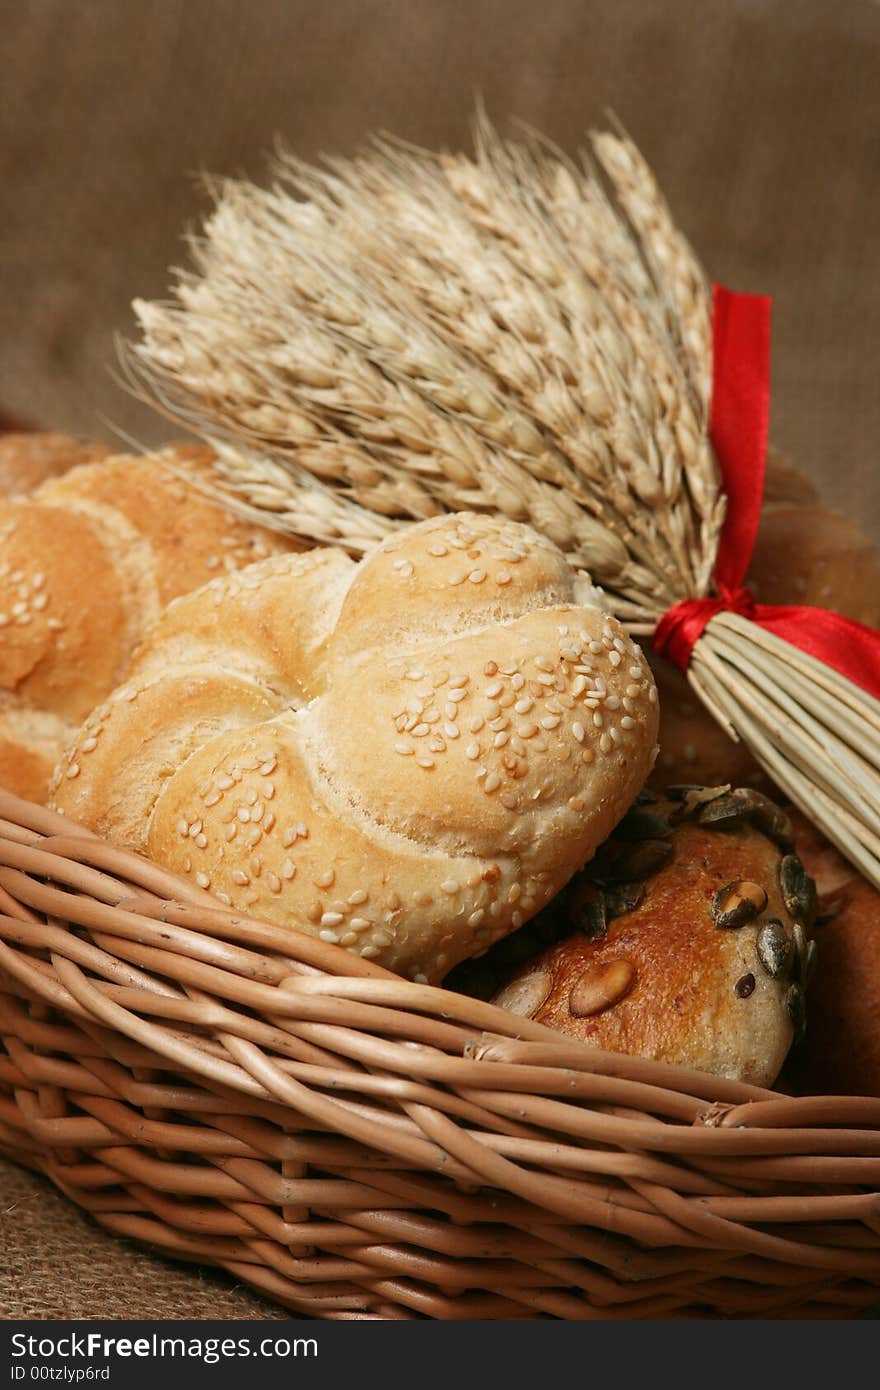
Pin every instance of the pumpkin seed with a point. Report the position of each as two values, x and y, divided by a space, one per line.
623 897
744 803
798 890
797 1011
767 816
639 824
738 903
774 948
597 990
638 861
588 911
809 964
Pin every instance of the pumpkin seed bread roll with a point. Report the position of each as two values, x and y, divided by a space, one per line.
686 940
408 757
87 564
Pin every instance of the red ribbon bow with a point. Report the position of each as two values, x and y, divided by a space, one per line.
738 429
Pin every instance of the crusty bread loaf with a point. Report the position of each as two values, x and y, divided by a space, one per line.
804 553
87 563
26 460
685 947
408 757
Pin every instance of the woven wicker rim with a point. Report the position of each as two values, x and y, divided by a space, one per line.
162 1050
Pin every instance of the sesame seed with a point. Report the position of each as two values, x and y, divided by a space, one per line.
527 730
240 877
359 896
182 827
524 705
605 744
73 770
422 899
635 672
202 880
358 923
652 695
476 724
404 749
597 719
615 658
550 721
331 937
202 840
438 549
494 690
426 763
477 576
457 694
578 730
313 914
576 803
476 917
243 814
250 796
254 835
450 729
230 831
421 730
326 880
288 869
39 602
595 647
501 739
627 722
492 782
451 886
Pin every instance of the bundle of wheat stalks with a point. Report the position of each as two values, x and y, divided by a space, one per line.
381 339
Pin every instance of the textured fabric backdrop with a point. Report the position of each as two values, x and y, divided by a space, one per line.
760 117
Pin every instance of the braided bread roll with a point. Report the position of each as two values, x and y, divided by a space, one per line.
87 563
408 757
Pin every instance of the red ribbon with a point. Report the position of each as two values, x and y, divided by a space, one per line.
738 429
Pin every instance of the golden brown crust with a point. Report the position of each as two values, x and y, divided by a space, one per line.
87 564
666 981
445 746
28 459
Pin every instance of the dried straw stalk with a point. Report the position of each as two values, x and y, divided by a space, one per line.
377 340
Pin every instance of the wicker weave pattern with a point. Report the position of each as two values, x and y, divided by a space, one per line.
358 1146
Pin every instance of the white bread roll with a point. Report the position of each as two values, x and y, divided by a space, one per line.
408 757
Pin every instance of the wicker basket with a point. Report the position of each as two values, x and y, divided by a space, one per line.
358 1146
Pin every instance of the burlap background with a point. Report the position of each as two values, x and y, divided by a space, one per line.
760 116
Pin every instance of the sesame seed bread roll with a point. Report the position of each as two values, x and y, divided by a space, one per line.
411 756
87 564
28 459
684 941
